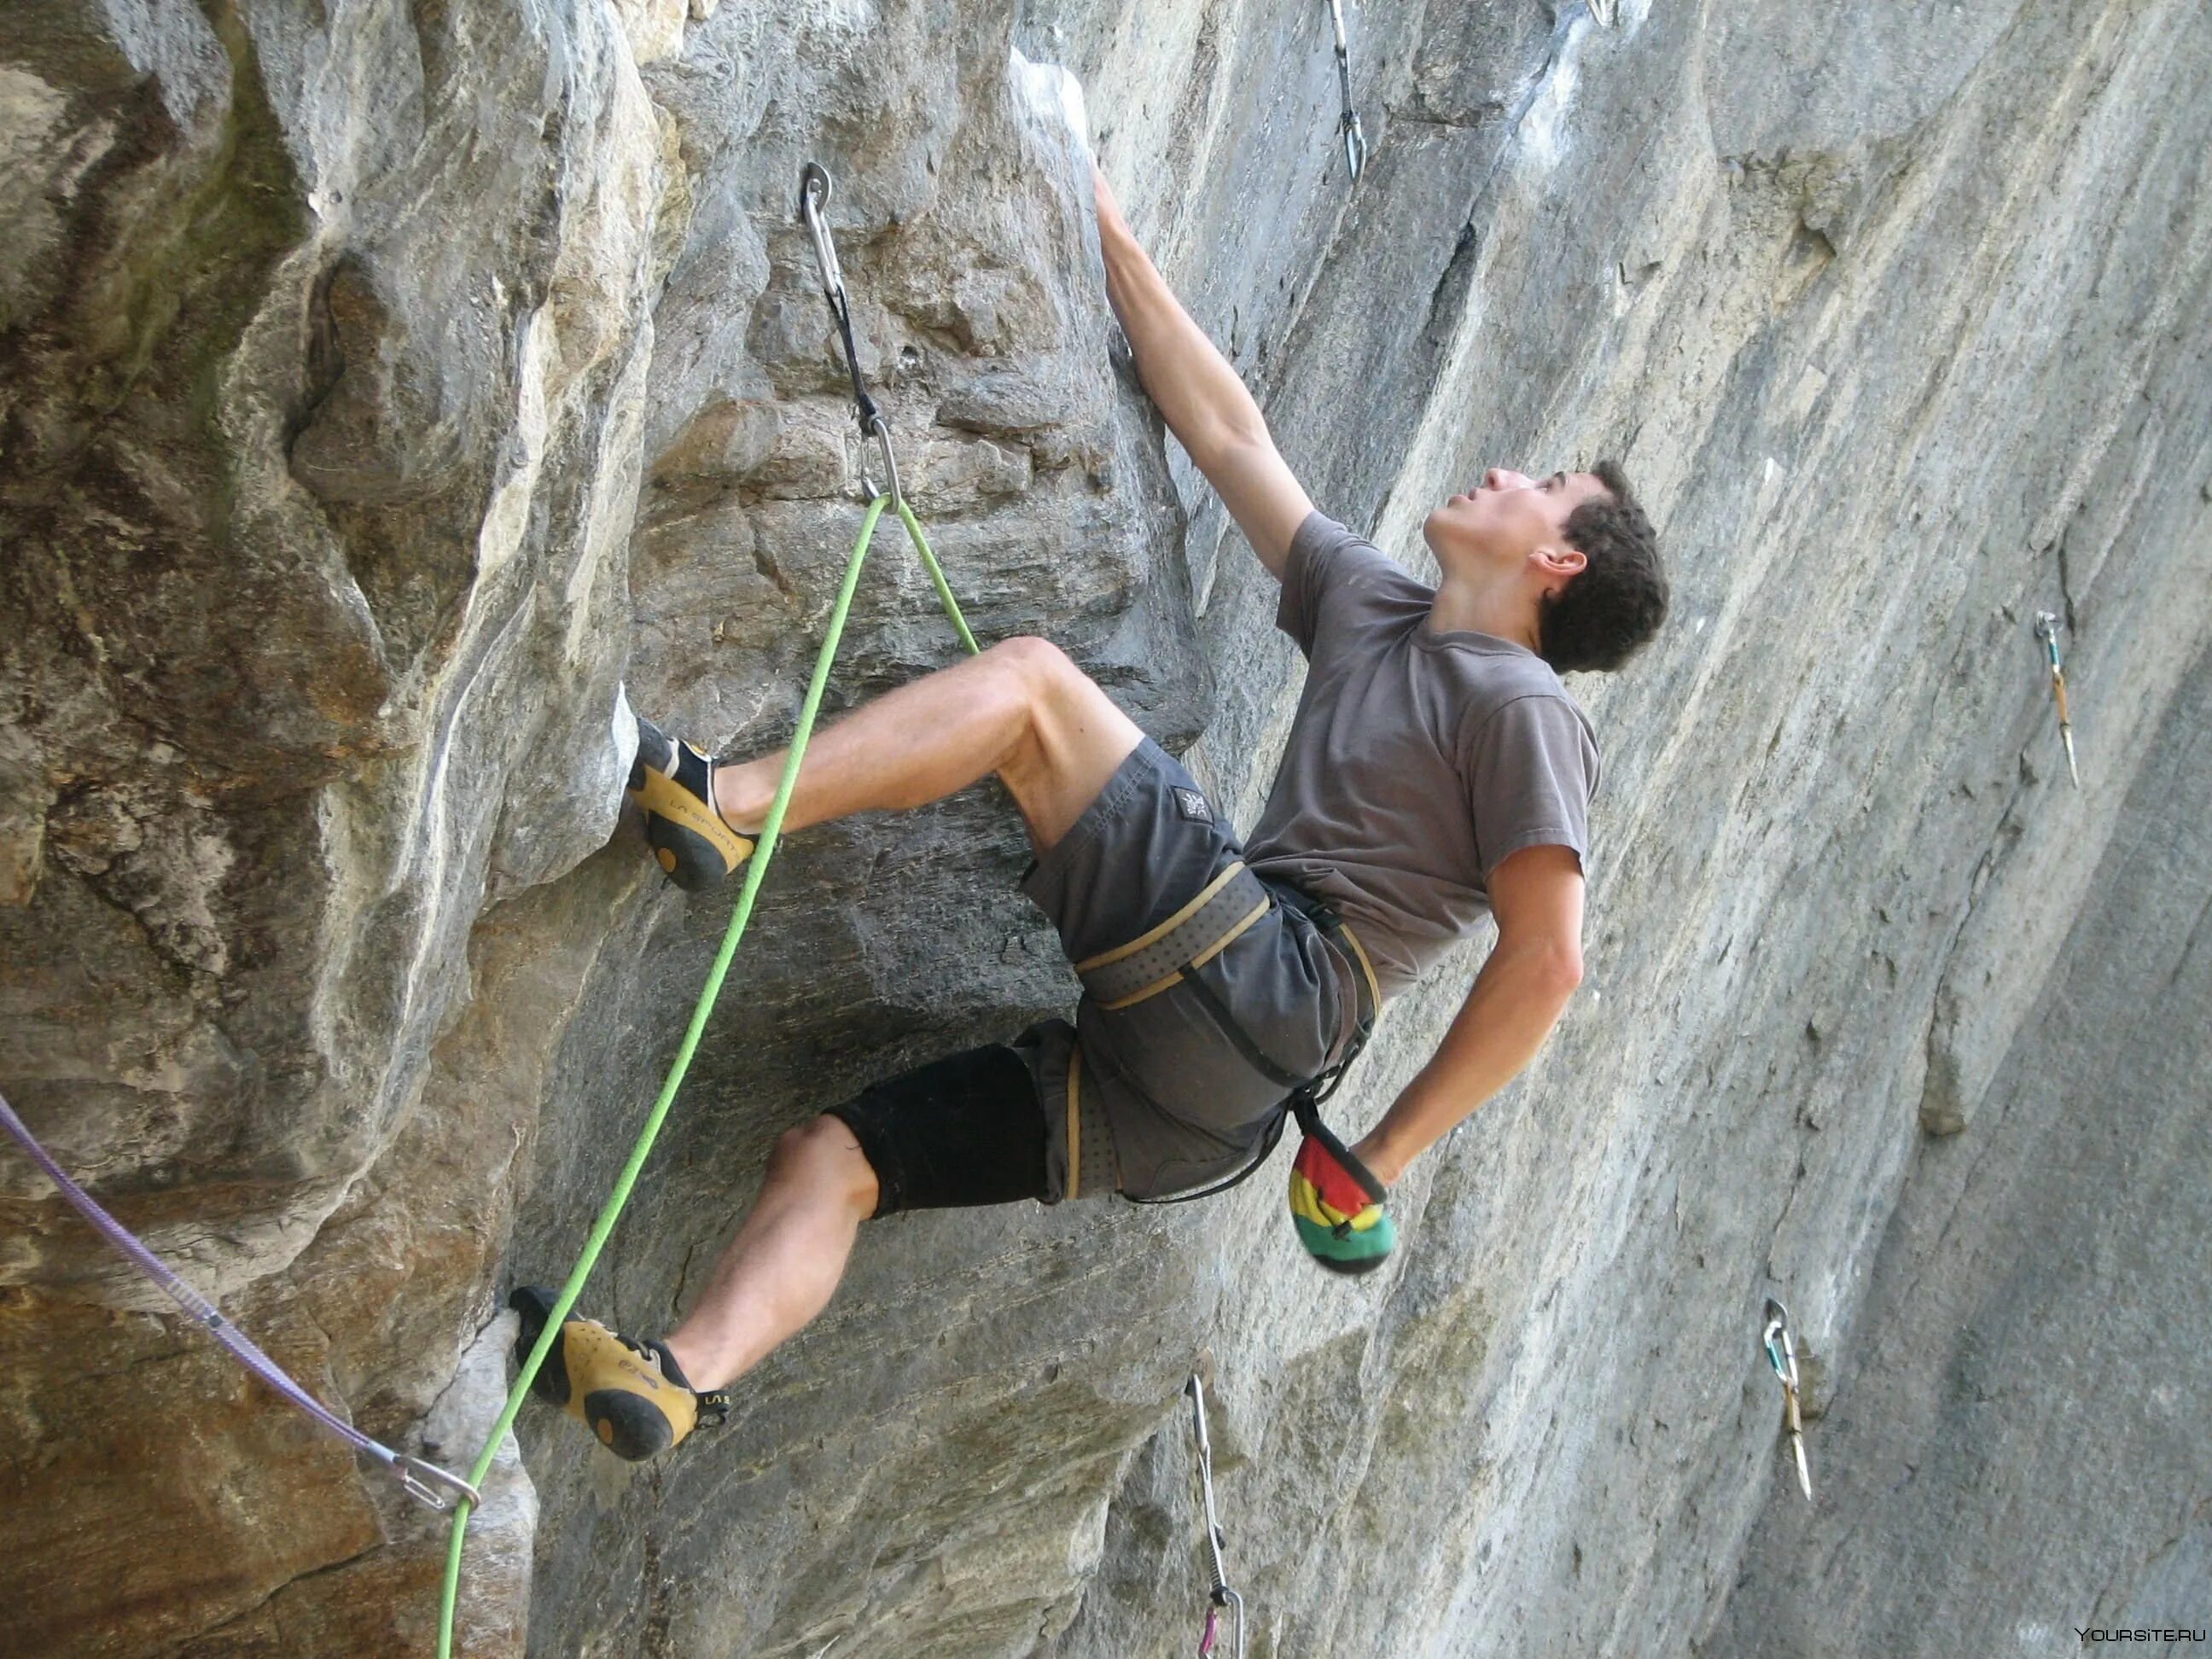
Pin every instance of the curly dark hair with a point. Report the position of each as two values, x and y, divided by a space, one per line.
1613 606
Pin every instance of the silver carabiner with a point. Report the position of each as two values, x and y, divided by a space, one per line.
813 181
420 1479
1782 1356
1223 1597
882 433
1355 139
1236 1604
1196 1390
1781 1350
814 193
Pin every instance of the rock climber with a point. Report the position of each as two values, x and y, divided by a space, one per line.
1436 770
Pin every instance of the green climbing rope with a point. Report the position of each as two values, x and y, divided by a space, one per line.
756 872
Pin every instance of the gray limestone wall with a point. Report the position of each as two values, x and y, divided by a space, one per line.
2011 1457
393 395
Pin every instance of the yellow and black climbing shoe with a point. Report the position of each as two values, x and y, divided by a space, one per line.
632 1395
674 783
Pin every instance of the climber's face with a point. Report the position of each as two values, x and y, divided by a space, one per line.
1509 522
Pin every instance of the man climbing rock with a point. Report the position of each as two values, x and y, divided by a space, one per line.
1436 770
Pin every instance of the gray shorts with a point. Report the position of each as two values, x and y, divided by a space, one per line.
1164 1096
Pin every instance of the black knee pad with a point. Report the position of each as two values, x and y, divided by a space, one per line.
953 1134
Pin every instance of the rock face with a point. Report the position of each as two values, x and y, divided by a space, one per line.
395 395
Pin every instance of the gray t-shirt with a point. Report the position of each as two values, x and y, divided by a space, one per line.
1417 761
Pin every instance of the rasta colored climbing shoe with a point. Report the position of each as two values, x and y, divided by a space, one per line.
1336 1204
632 1395
674 783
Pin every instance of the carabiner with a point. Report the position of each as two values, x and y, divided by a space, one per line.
1782 1356
1220 1594
1229 1598
2046 630
813 180
1355 139
420 1479
814 190
1355 143
1781 1352
882 432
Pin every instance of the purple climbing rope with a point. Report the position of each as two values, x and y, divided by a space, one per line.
421 1480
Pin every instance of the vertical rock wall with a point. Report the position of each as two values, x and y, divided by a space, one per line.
383 387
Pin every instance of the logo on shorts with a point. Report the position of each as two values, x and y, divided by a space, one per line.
1192 805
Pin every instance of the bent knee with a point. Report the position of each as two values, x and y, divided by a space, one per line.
1042 667
1064 704
824 1153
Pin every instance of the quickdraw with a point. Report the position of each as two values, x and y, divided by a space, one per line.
1781 1355
1355 140
814 191
2046 629
815 188
1221 1596
426 1483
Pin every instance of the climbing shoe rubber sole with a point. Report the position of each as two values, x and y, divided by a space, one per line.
631 1394
674 786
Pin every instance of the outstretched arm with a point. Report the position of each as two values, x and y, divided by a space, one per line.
1537 895
1199 394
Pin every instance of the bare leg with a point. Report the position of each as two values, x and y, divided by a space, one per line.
780 1270
1021 709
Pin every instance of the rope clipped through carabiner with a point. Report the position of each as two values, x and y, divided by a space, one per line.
1221 1595
2046 629
1355 140
756 872
1781 1355
422 1481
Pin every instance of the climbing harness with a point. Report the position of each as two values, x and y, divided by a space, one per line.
2046 629
421 1480
1221 1595
1781 1355
1355 140
1200 931
814 190
1170 955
